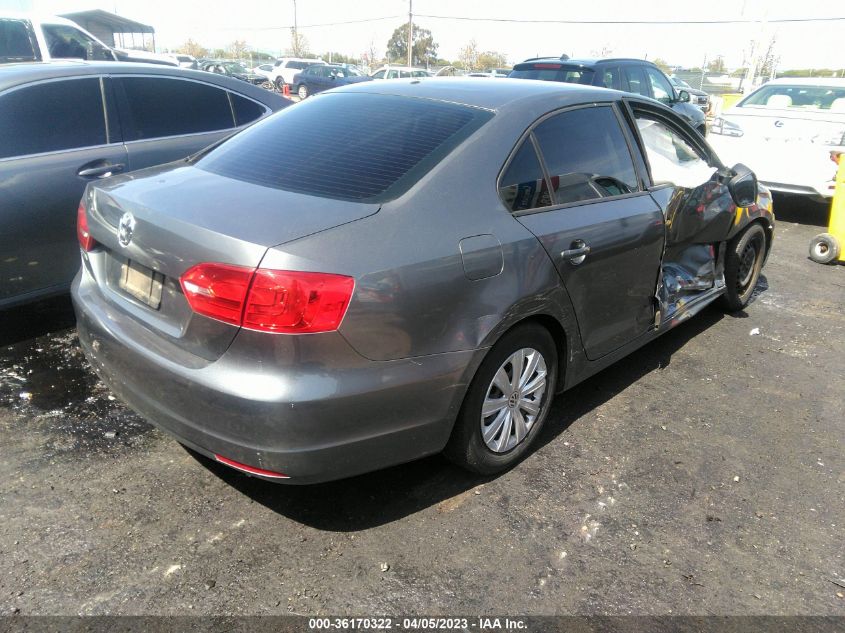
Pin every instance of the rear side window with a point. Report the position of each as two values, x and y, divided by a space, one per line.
523 186
160 106
52 116
246 110
586 155
16 43
361 147
553 72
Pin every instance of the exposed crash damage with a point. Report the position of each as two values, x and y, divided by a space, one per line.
705 205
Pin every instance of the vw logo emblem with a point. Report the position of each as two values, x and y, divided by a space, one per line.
125 228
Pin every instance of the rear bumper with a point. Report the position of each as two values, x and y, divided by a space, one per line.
307 406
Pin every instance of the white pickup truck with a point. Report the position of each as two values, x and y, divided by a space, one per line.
30 38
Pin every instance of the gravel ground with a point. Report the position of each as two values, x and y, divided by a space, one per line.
701 475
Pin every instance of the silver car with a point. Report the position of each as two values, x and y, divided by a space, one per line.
65 124
430 266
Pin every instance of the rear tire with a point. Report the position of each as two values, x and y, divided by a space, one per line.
824 248
743 263
507 402
302 91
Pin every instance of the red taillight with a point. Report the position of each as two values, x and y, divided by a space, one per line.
217 290
285 302
547 66
85 240
295 302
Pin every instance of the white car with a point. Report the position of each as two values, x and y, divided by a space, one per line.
784 131
286 68
400 72
265 70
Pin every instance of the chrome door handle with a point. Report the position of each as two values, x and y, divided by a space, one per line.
578 253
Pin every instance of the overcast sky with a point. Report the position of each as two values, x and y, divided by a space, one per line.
263 24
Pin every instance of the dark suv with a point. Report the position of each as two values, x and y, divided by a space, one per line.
630 75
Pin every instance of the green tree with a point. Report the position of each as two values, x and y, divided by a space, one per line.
238 49
717 65
192 48
492 59
298 45
663 65
424 50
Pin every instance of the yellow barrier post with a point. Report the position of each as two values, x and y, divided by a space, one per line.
827 247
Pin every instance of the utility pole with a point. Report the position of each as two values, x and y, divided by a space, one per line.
410 32
295 46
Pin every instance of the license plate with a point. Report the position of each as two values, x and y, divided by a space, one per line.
142 283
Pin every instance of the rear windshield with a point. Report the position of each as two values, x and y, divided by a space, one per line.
361 147
553 72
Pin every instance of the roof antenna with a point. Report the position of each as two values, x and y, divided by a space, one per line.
564 57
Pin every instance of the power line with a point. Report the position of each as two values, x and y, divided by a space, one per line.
308 26
652 22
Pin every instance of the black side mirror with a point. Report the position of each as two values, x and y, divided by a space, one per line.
683 96
743 186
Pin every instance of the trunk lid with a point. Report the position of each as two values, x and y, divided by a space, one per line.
180 216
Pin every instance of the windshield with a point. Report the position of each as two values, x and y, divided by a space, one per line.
800 97
553 72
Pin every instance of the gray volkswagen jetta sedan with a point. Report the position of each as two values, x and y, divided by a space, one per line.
430 265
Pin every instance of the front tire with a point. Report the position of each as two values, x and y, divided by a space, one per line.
507 402
743 263
302 91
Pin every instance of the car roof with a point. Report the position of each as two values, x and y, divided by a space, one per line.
12 75
586 62
498 96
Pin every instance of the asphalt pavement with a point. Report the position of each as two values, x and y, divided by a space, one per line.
701 475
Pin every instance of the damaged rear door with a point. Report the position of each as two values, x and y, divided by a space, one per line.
600 227
690 185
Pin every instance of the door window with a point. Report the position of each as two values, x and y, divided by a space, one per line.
159 106
523 186
69 42
635 79
660 86
673 159
379 75
52 116
586 154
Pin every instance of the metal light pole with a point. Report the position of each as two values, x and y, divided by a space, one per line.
295 33
410 31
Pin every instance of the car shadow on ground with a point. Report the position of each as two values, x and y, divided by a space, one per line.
384 496
800 209
36 319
